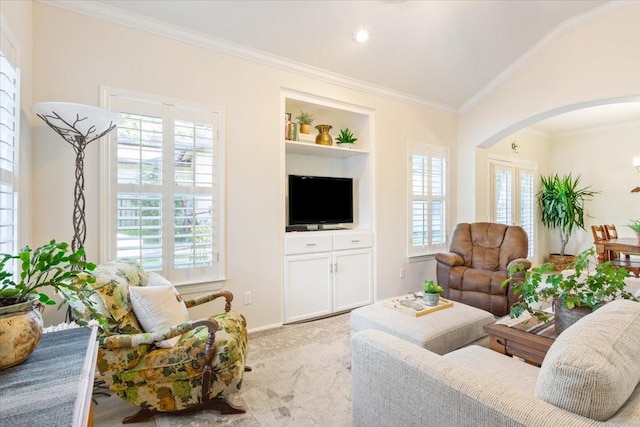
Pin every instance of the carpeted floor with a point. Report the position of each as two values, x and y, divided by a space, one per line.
301 376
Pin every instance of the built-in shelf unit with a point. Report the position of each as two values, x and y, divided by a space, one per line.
330 271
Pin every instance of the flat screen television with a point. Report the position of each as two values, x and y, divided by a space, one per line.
320 200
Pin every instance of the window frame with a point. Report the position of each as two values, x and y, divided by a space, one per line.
11 54
108 180
422 148
517 167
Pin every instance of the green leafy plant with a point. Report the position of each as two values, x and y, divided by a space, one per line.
561 204
585 286
429 287
305 118
52 265
634 225
346 137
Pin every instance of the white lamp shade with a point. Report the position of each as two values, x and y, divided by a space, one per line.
69 112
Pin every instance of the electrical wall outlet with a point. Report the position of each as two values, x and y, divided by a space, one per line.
402 273
247 298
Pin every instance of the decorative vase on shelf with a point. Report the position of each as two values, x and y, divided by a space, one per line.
323 137
305 128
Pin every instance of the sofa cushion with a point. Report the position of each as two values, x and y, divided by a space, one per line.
500 368
594 365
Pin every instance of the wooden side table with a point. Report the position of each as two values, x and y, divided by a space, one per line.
54 386
531 347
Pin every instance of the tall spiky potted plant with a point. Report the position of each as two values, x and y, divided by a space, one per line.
561 202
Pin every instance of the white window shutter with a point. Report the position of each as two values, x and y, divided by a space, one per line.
168 180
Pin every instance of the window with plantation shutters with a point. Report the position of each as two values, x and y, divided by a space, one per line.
9 113
165 204
428 199
513 196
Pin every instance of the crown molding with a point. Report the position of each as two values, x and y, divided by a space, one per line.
118 16
594 129
565 26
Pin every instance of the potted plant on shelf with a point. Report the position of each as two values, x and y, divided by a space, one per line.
431 292
346 137
21 298
305 119
573 293
561 204
635 226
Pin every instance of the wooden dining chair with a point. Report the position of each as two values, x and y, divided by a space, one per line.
612 233
599 234
607 232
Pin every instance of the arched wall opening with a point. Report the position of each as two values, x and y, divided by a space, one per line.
506 132
599 151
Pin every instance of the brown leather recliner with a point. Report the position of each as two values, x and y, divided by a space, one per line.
478 261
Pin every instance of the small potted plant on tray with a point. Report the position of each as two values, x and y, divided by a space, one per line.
573 293
346 137
305 119
431 292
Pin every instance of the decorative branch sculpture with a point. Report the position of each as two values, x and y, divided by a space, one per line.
68 121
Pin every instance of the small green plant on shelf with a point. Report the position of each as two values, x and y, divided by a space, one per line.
345 137
429 287
305 118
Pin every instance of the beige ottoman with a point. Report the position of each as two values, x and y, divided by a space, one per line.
440 332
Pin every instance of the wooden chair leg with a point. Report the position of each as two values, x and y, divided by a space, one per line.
139 417
217 404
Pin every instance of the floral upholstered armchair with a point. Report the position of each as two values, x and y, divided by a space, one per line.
186 365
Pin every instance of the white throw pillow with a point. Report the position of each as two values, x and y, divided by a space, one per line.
157 280
158 307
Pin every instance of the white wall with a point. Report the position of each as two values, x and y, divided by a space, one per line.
75 54
603 158
596 60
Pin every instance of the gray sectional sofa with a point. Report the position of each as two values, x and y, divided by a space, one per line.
589 377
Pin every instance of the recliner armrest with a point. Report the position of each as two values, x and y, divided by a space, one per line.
526 262
449 258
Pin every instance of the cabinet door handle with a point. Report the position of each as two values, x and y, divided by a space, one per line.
335 267
355 241
311 244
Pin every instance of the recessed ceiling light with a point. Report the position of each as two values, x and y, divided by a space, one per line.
361 36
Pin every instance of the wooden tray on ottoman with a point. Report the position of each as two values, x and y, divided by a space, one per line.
417 307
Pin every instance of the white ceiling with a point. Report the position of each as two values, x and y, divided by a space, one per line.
443 53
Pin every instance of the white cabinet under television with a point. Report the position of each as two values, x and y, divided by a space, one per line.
326 272
327 276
